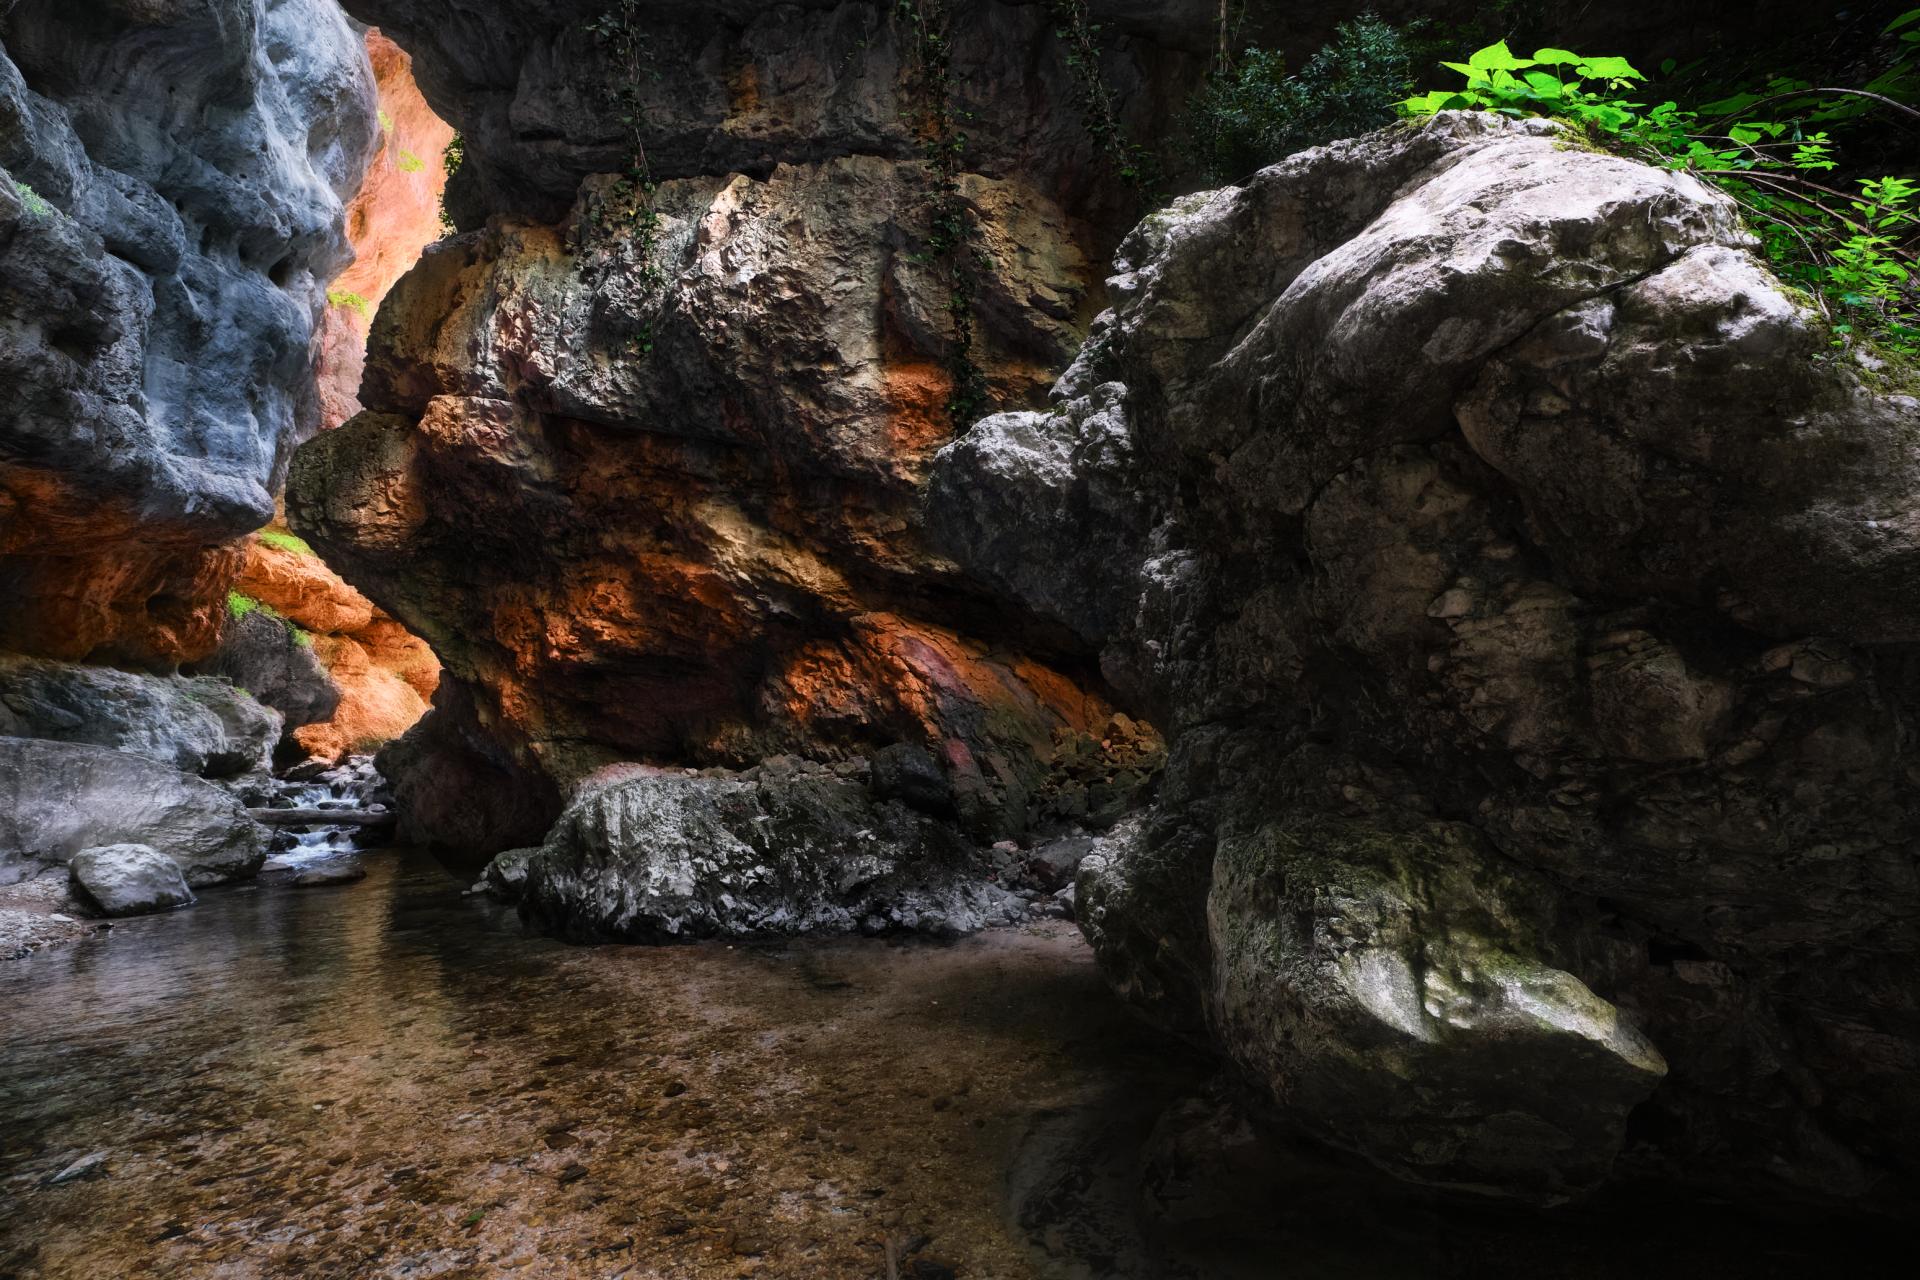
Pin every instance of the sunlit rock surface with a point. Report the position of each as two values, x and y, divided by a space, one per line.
171 187
374 678
1529 598
394 216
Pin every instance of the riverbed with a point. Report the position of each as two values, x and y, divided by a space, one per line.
389 1078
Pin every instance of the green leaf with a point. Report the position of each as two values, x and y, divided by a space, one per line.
1729 106
1497 57
1908 18
1609 69
1546 84
1557 57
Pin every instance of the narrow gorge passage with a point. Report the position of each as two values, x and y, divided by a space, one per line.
1101 639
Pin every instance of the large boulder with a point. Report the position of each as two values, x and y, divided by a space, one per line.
649 856
202 725
1526 589
275 663
58 798
172 179
129 879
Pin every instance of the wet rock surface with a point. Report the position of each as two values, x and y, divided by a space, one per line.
171 189
653 856
1512 575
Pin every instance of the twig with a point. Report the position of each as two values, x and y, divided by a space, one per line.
1880 98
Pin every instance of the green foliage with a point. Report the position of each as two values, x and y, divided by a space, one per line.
239 606
951 243
352 301
1253 113
451 159
1772 151
36 204
407 162
621 34
386 121
286 542
1079 42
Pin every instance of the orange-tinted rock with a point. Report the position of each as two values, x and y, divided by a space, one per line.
384 674
396 214
652 487
376 704
299 585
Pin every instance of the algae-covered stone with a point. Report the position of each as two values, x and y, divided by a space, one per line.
1392 980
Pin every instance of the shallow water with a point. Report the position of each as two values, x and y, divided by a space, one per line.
390 1079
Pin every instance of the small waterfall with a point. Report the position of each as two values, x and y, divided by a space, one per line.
353 785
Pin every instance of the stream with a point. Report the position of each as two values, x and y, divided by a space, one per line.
389 1078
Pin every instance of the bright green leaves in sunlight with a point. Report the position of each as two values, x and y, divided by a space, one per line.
1775 151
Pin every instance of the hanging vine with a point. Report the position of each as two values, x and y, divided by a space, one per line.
1079 38
950 231
630 201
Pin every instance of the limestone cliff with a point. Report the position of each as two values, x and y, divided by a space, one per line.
172 178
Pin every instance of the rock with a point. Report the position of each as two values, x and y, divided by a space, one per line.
129 879
506 876
381 675
275 663
1397 981
906 773
172 181
396 214
203 726
343 871
1487 496
647 856
671 512
59 798
92 1165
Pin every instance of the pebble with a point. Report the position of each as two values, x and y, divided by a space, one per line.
92 1165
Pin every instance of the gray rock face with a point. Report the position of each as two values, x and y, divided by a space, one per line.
129 879
263 655
171 187
658 857
201 726
1532 613
58 798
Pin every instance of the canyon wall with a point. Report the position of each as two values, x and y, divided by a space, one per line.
649 482
170 212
